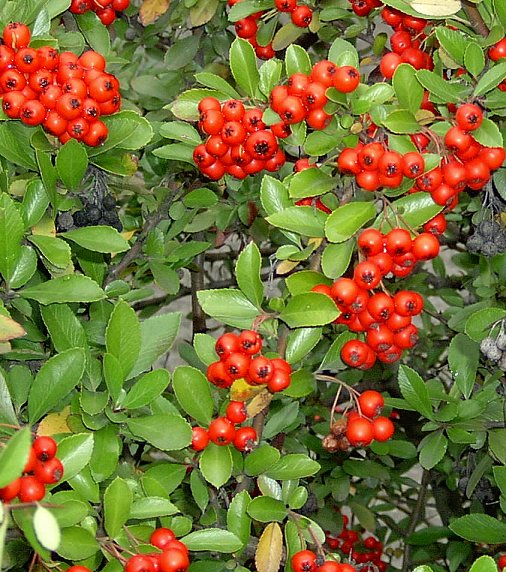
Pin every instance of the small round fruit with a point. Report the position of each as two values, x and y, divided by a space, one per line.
425 246
173 560
200 440
383 428
161 537
221 431
245 439
359 432
302 16
371 403
236 412
31 489
139 563
49 472
304 561
469 116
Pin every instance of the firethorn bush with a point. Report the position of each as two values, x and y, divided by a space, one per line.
253 285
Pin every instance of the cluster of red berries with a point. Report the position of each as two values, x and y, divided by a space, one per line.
239 359
358 428
173 558
364 7
223 431
308 561
239 143
247 28
304 96
106 10
42 468
364 551
496 53
385 320
405 42
64 93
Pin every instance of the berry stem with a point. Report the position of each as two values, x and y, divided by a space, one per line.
475 18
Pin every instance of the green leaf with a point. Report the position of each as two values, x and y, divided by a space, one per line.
96 34
243 66
75 453
189 383
401 121
14 455
293 466
71 163
300 342
408 91
488 134
345 221
484 564
415 391
260 460
319 143
490 79
474 60
444 90
117 503
286 36
25 267
281 420
72 288
54 250
123 336
310 309
77 543
15 144
147 389
270 76
306 221
11 235
199 490
181 52
336 258
157 336
497 444
432 449
176 152
54 381
310 183
297 60
273 195
229 306
238 521
463 359
212 539
181 131
453 42
343 53
303 281
185 106
267 509
478 324
416 209
216 82
46 528
200 198
35 202
216 464
332 359
127 129
152 507
98 239
479 528
113 375
247 272
166 431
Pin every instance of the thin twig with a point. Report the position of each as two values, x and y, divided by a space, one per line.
415 518
475 18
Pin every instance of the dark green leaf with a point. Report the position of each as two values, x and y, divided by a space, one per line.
415 391
463 359
98 239
474 60
267 509
189 383
14 455
408 91
96 34
488 134
297 60
71 163
180 131
65 329
54 381
11 234
15 144
302 220
147 389
166 431
243 66
260 459
216 464
310 309
477 325
75 453
213 539
199 490
123 336
401 121
152 507
311 183
432 449
345 221
247 272
54 250
416 209
182 52
77 543
479 528
229 306
274 195
117 503
490 79
270 75
238 521
216 82
293 466
453 42
72 288
444 90
336 258
176 152
300 342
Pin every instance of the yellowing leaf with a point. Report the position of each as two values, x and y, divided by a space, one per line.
45 227
242 391
437 8
55 423
269 549
9 329
286 266
258 403
5 347
151 10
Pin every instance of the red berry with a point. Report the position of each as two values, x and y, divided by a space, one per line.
221 431
200 440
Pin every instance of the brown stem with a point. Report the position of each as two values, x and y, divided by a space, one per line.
415 518
197 284
475 18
